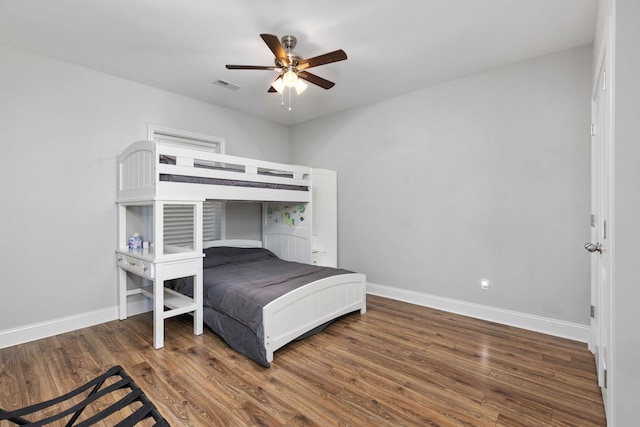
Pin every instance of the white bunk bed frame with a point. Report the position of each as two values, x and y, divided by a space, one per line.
296 312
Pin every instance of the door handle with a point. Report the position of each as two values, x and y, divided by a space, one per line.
593 247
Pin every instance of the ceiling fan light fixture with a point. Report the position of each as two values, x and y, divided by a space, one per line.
290 78
300 86
278 84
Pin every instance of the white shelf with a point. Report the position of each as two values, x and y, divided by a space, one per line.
159 263
175 301
171 253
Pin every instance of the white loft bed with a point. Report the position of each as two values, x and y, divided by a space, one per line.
141 168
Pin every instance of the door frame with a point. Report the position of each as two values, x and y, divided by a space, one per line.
602 176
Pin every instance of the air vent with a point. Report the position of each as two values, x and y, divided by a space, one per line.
226 84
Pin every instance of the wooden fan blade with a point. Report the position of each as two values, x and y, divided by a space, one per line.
249 67
316 80
327 58
271 90
276 47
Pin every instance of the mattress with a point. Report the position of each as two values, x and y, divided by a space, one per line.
233 182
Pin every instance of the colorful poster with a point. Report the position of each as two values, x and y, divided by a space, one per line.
290 215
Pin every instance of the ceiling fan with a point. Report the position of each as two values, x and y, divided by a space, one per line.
292 66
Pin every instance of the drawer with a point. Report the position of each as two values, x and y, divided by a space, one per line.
136 266
147 269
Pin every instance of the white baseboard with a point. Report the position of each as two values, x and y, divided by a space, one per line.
37 331
544 325
530 322
50 328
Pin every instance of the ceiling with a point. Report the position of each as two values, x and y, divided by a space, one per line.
393 47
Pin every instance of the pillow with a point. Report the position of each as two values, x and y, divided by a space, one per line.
229 255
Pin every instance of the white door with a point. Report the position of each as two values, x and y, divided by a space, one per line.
601 226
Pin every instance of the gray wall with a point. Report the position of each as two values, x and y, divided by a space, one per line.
243 220
61 128
483 177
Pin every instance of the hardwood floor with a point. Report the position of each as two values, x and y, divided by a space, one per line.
398 364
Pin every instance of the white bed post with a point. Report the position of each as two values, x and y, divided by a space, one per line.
122 274
198 315
158 228
158 307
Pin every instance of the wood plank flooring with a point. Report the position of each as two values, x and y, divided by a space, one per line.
398 364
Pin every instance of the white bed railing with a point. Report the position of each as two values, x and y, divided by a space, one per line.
140 167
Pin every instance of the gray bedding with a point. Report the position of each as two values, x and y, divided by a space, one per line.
238 283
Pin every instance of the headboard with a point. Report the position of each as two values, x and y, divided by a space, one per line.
286 230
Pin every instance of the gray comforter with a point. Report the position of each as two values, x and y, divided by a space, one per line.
238 283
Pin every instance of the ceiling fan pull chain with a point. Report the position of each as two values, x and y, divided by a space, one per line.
289 99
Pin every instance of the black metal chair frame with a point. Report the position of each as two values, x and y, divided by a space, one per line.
135 395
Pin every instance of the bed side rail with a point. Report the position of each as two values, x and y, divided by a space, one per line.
190 162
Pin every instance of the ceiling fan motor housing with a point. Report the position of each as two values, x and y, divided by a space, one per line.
289 42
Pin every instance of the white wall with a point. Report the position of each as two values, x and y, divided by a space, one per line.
483 177
243 220
61 128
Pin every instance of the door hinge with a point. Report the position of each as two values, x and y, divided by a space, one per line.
593 311
593 220
604 229
605 378
593 129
